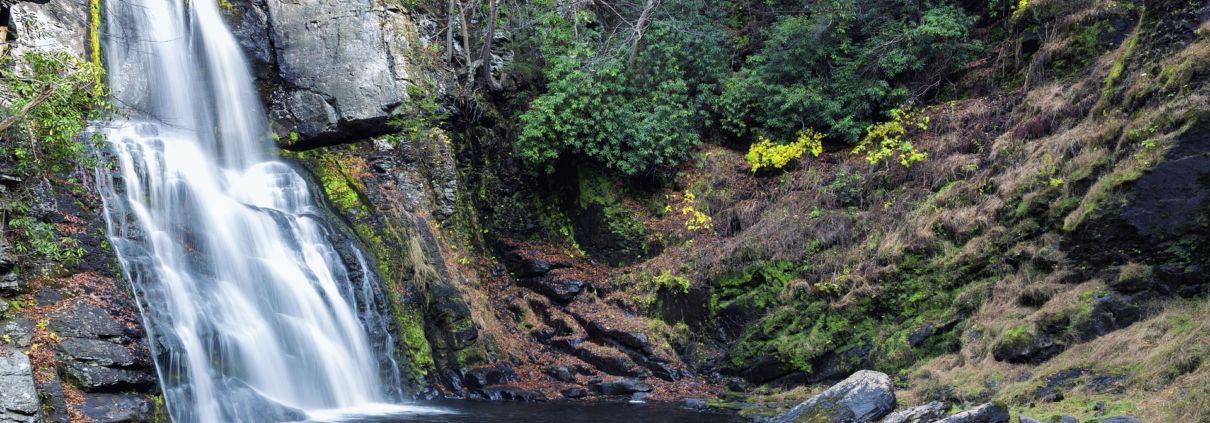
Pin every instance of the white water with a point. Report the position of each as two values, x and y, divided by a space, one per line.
247 299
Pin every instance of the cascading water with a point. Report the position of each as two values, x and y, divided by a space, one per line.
253 311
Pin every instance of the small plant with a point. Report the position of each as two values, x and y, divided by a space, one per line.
848 187
672 282
888 139
765 154
697 221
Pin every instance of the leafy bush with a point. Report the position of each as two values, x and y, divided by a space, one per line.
766 154
634 119
838 66
889 139
53 96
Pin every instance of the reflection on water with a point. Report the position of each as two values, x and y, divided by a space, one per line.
496 411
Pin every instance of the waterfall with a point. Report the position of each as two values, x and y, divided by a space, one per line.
253 310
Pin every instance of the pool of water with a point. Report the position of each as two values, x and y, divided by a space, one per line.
502 411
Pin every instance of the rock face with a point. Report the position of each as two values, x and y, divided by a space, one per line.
18 394
56 25
864 397
341 67
927 413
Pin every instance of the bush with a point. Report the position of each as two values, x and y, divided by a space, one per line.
766 154
633 119
889 139
52 96
840 64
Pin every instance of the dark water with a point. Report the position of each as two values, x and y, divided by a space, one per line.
549 412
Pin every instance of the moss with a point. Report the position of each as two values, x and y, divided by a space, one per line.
1119 66
94 38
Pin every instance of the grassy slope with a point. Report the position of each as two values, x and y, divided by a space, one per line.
838 255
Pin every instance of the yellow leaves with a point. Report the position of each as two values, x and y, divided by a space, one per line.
888 139
696 220
767 154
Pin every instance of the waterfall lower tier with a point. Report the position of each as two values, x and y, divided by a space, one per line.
255 310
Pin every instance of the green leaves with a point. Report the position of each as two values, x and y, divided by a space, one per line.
634 121
838 67
55 95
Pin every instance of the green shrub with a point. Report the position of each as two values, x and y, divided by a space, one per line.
53 96
839 65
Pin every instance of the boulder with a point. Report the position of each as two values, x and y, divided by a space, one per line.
986 413
574 393
1120 419
562 374
113 408
864 397
622 386
555 287
483 377
927 413
18 394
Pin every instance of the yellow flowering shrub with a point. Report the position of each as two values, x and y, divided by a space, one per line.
888 139
767 154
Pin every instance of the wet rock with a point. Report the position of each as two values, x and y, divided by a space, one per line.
483 377
927 413
508 393
697 404
18 395
622 386
246 401
865 396
574 393
114 408
85 320
986 413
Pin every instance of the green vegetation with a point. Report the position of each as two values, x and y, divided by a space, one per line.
642 106
836 66
54 95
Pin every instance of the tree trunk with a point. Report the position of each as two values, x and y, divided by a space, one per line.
488 37
640 26
466 45
449 32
